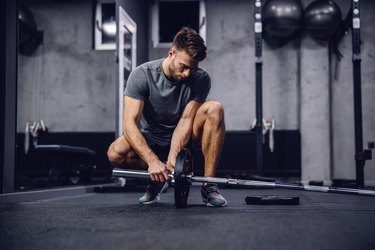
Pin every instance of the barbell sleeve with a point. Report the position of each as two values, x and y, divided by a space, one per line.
325 189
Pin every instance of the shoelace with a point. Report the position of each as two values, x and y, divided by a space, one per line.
212 189
152 189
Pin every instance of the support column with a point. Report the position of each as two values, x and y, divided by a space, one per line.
9 91
315 127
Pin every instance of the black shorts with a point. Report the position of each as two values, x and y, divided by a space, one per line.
163 151
160 151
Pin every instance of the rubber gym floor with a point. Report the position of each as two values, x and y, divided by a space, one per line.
113 220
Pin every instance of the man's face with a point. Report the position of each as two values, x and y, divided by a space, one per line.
182 65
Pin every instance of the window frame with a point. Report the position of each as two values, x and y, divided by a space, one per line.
155 22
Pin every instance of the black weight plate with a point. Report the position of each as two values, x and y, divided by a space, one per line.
181 184
272 200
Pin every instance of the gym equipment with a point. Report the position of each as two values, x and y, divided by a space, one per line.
72 163
183 177
282 18
361 156
322 19
258 86
29 37
182 184
272 200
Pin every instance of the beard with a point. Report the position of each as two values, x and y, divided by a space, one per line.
172 69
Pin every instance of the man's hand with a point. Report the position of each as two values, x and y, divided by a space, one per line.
170 166
158 171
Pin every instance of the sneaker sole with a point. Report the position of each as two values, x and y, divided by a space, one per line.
157 199
210 205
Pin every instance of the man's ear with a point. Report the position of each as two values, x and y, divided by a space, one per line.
171 52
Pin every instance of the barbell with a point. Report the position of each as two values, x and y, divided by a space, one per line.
183 177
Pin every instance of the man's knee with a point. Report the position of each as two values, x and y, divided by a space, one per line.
113 157
122 156
215 111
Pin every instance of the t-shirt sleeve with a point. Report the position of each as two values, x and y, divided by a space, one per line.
201 88
136 86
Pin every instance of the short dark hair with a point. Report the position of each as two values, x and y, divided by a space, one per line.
188 40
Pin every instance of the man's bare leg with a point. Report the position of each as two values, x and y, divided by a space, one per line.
209 131
121 155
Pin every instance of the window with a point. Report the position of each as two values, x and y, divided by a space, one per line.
169 16
105 26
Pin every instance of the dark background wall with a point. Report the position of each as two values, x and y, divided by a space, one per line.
2 90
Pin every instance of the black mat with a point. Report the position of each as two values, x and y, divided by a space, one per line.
115 221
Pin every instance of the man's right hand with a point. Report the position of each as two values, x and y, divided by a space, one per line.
158 171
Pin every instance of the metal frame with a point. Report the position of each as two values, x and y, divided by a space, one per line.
2 88
125 23
361 156
258 86
10 92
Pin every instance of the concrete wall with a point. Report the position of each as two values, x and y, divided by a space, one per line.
65 82
138 11
297 86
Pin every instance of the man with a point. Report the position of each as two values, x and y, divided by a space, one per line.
165 110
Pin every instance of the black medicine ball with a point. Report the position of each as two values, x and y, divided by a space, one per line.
322 18
282 18
29 37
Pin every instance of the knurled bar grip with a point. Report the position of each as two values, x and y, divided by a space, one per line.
137 174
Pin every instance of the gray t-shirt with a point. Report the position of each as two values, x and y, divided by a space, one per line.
164 100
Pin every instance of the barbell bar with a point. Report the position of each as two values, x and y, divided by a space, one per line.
183 177
117 172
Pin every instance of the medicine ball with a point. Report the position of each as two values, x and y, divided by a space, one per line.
29 37
282 18
322 19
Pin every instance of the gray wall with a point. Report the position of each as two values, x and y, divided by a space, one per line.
65 82
296 86
138 11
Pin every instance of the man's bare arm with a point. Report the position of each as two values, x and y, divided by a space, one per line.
133 110
183 131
